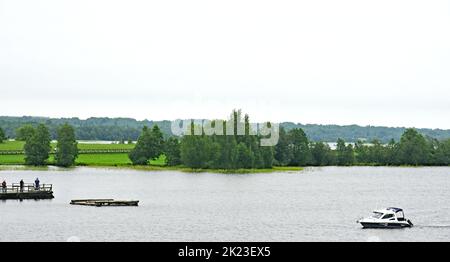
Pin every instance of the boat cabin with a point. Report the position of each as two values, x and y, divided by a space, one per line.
390 213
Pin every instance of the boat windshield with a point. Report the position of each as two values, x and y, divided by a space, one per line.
377 215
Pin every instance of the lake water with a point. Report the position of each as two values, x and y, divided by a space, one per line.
317 204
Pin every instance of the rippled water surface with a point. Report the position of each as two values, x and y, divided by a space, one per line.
317 204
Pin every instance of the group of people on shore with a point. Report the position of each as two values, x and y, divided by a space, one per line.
21 185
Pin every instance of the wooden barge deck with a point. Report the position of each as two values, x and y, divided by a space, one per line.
28 191
104 202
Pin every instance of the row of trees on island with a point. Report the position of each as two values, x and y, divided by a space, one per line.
235 151
412 149
293 149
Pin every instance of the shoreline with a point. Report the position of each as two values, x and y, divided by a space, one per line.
157 168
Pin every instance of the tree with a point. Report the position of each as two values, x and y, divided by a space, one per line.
2 135
37 147
441 154
172 151
392 149
24 132
413 149
362 154
283 150
156 147
67 146
244 156
321 154
149 146
193 151
138 155
299 144
345 155
267 156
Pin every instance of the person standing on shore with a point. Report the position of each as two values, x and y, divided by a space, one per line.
21 185
4 186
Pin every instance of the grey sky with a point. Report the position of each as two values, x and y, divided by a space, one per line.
340 62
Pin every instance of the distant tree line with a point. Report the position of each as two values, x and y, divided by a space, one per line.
293 149
107 129
235 151
412 149
124 129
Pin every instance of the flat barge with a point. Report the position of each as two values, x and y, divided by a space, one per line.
27 191
104 202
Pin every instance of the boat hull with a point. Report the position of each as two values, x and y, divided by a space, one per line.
384 225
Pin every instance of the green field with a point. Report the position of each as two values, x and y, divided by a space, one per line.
12 145
112 159
117 159
18 145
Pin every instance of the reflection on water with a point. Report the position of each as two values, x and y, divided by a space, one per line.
317 204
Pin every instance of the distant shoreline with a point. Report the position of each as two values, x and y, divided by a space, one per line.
157 168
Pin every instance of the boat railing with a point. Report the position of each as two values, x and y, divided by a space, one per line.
27 188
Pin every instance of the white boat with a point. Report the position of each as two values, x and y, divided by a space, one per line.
391 217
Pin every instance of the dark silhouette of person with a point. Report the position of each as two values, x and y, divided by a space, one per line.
4 186
21 185
36 183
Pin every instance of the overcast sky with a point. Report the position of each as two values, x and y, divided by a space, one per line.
326 62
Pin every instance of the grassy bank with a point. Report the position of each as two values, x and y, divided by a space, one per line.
119 160
112 159
122 161
18 145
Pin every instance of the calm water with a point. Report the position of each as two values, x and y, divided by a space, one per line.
318 204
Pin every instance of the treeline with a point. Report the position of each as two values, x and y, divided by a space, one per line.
230 151
353 133
117 129
94 128
294 148
236 151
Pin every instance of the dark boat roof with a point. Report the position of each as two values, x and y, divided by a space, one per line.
395 209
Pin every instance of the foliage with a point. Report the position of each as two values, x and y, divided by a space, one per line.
321 154
115 129
229 151
24 132
2 135
66 149
150 145
172 151
37 147
344 153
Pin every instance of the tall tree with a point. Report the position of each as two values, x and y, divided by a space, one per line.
150 145
2 135
37 147
301 154
172 151
244 156
413 149
321 154
283 150
441 155
138 155
345 154
67 146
